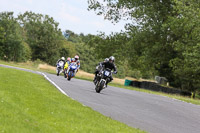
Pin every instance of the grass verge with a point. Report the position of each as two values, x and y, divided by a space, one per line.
29 103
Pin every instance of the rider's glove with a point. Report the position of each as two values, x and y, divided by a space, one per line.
115 72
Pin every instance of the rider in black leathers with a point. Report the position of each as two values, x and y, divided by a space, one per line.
109 64
98 69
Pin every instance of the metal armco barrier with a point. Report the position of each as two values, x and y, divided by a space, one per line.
156 87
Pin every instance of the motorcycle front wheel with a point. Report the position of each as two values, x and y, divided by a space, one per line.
99 86
97 89
69 76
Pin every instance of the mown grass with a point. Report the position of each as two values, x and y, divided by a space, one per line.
29 103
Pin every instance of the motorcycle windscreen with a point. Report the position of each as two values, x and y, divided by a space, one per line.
73 67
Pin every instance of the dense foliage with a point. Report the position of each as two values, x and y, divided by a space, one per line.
12 45
31 36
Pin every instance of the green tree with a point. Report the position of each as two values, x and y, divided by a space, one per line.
148 38
72 37
12 47
87 56
43 36
2 39
68 49
185 29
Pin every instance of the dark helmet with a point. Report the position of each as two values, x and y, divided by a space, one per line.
112 58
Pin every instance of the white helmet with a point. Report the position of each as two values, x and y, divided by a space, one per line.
112 58
106 59
62 58
76 57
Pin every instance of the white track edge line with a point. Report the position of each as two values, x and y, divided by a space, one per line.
40 74
53 84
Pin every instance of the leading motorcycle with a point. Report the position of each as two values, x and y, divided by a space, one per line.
102 77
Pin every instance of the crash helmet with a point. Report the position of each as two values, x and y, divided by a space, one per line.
76 57
112 58
69 59
73 60
106 59
62 58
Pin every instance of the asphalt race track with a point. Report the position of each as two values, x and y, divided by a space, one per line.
152 113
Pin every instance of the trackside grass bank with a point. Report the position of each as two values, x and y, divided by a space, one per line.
29 103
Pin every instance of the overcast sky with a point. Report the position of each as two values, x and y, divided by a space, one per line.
70 14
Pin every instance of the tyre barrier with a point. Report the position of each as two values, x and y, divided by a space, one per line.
156 87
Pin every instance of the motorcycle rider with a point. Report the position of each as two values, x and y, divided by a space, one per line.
66 66
68 63
72 61
98 69
61 59
76 57
110 65
68 60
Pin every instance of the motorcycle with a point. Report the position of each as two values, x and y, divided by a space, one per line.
71 71
59 67
102 78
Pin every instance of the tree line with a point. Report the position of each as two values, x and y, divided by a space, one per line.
31 36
